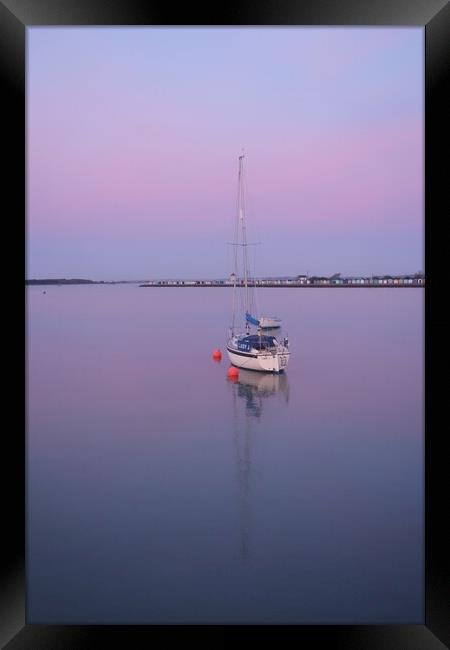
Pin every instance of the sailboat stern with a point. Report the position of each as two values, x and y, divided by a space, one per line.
260 360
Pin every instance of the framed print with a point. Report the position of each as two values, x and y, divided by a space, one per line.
205 456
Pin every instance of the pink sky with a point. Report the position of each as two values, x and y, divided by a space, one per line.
134 135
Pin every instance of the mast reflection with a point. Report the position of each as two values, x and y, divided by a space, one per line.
249 395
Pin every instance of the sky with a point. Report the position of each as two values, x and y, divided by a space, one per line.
134 134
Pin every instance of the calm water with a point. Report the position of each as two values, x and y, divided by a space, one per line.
159 492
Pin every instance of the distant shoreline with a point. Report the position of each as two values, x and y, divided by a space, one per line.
78 281
319 283
286 286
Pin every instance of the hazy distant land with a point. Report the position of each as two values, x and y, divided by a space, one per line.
336 280
78 281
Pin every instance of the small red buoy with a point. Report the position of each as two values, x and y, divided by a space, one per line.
233 372
217 355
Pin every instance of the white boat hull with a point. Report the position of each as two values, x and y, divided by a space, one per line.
262 361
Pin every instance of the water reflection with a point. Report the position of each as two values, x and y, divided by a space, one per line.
249 394
255 387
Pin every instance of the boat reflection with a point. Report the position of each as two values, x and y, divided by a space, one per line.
249 394
255 387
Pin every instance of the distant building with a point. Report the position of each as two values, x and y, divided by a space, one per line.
336 279
413 280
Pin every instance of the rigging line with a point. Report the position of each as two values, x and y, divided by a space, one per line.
243 226
235 260
252 295
250 264
255 292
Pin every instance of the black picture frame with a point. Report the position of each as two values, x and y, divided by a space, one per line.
434 16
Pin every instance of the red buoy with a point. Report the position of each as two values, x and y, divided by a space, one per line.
217 355
233 372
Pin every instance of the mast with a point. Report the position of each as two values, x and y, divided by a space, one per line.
235 258
241 209
240 232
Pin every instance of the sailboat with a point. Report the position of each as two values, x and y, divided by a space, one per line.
251 348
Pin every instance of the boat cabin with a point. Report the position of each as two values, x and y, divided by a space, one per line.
257 342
